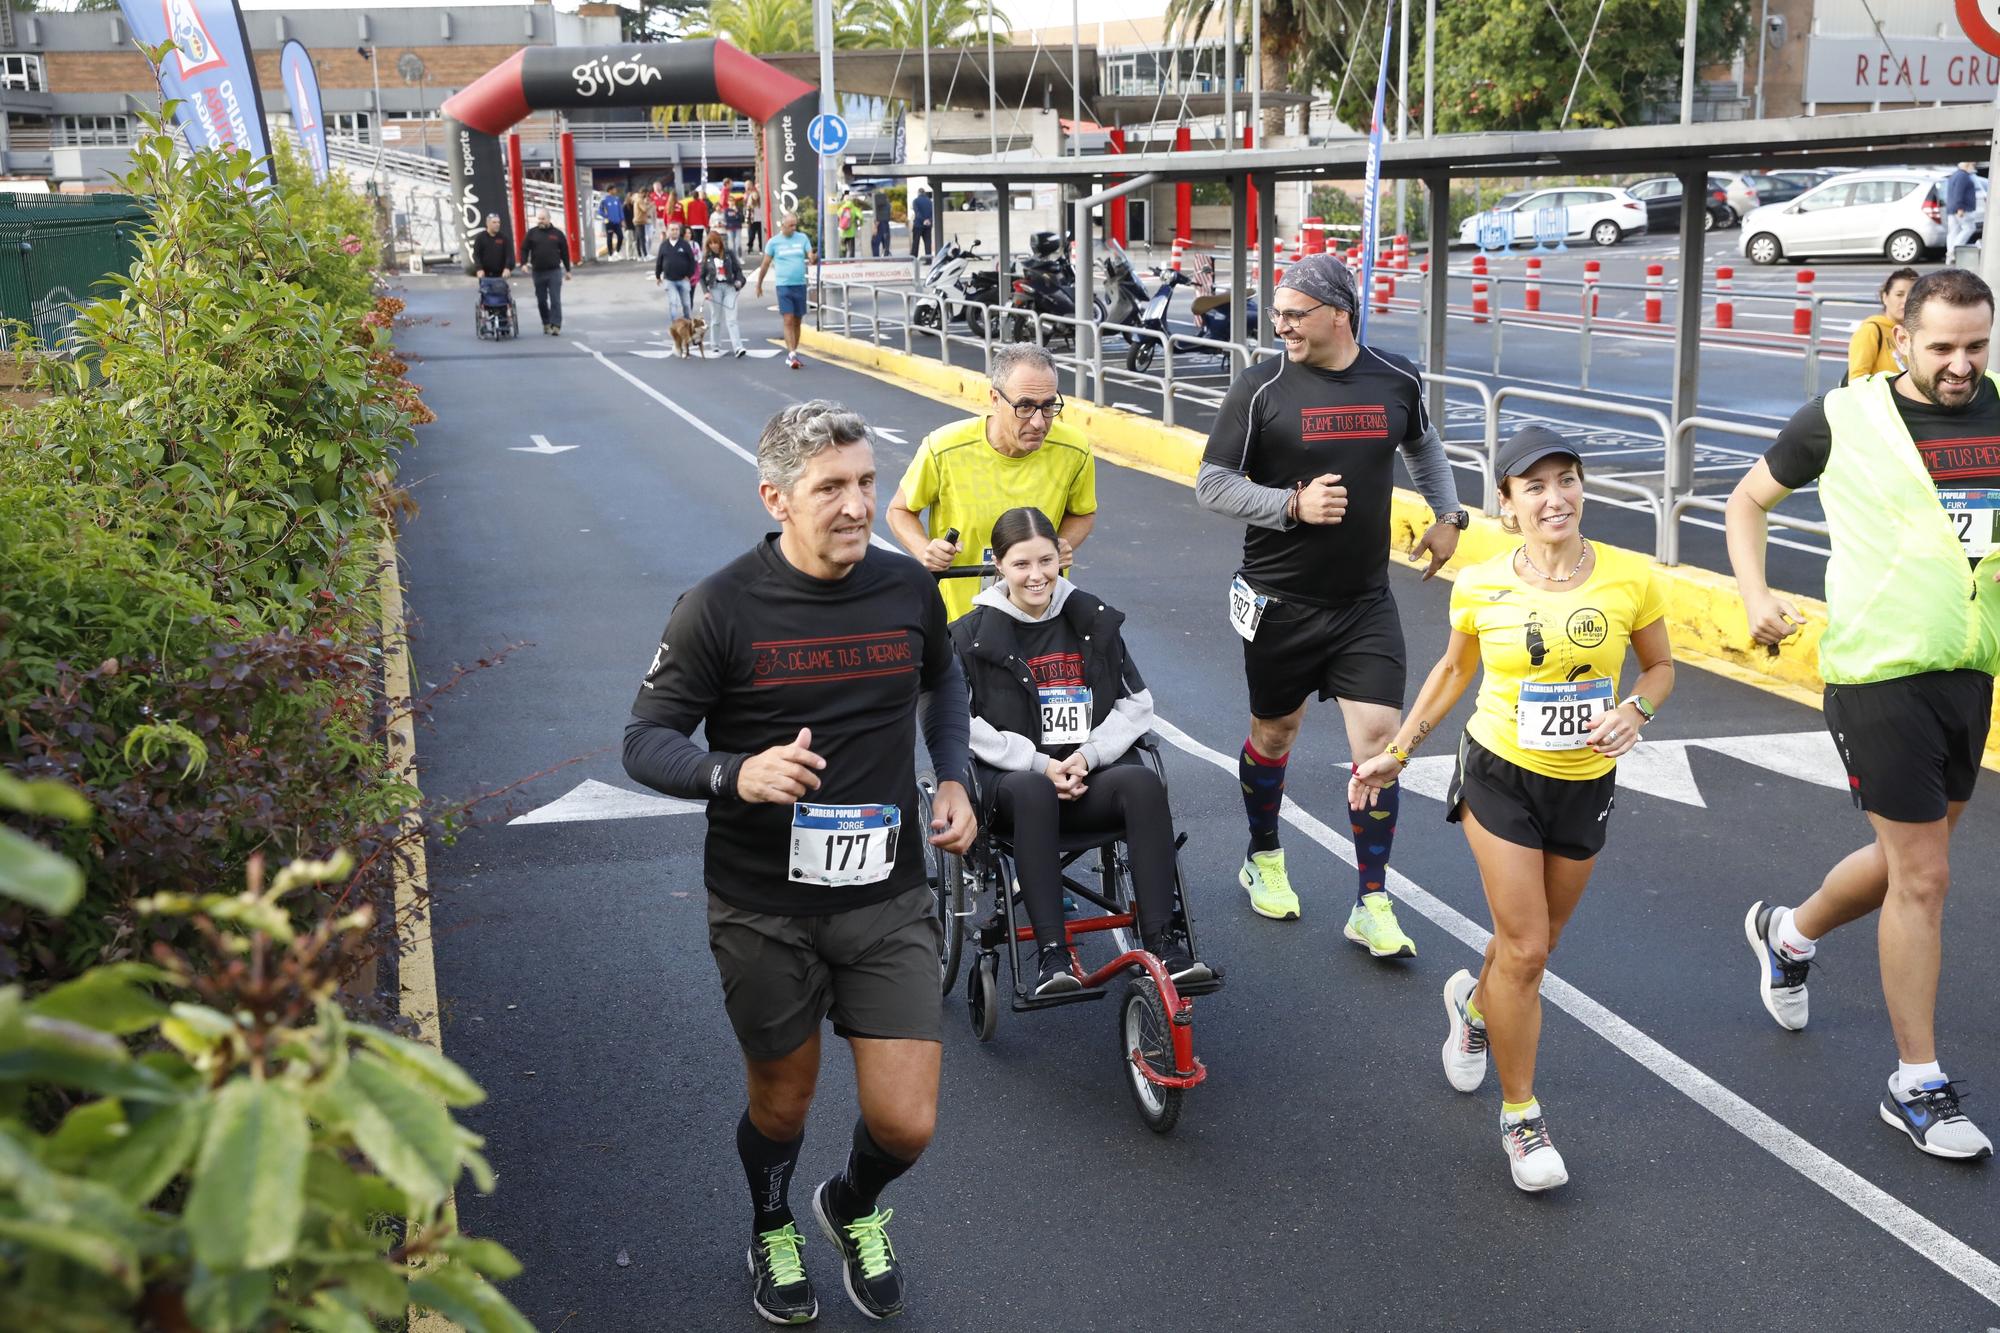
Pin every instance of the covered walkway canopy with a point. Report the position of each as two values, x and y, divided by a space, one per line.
1690 152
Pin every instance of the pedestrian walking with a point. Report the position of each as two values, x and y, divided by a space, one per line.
847 217
753 218
611 211
697 212
547 253
1906 474
1872 349
638 217
921 213
722 283
786 258
805 924
674 269
1546 626
878 243
732 221
1303 453
1961 206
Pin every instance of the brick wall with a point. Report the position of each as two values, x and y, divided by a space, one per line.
339 67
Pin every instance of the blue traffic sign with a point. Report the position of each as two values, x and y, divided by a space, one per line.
827 134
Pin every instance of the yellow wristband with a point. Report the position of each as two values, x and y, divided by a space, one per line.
1400 755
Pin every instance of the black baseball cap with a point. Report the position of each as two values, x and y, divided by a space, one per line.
1529 446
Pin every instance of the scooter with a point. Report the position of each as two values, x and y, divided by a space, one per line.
1047 287
1210 314
943 283
1128 296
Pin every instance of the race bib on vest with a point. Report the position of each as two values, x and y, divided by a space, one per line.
1559 715
1975 515
1246 608
840 846
1065 714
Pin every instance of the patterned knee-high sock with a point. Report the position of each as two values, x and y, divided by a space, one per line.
1374 835
1263 793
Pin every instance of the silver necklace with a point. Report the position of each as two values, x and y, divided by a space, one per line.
1556 578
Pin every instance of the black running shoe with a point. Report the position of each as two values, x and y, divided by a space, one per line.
780 1289
1934 1122
1183 967
873 1277
1055 971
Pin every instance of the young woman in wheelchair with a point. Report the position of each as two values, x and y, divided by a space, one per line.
1057 706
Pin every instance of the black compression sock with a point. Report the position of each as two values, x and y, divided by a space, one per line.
768 1166
870 1168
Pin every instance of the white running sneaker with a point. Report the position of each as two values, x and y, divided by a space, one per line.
1465 1048
1781 978
1934 1122
1536 1164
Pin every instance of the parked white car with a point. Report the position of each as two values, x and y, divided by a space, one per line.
1897 213
1602 214
1739 192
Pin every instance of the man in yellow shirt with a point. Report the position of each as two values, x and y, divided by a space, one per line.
969 473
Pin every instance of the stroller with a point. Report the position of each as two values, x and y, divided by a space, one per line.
497 317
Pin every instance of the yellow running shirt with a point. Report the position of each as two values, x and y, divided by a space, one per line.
966 484
1566 646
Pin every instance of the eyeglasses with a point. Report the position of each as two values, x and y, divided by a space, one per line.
1284 317
1025 409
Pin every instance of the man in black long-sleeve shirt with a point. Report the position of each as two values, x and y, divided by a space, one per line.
490 251
547 252
808 660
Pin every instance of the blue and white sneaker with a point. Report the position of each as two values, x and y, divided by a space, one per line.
1781 978
1934 1123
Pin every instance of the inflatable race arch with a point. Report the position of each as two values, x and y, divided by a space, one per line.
542 78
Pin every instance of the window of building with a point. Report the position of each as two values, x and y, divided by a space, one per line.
349 124
21 72
93 131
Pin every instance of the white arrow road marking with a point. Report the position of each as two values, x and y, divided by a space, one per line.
541 445
601 800
888 433
1810 756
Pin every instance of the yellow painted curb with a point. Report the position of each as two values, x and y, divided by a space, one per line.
1704 613
417 971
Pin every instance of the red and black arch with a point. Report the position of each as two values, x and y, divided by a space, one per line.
540 78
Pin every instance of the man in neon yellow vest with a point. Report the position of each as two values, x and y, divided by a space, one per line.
1908 465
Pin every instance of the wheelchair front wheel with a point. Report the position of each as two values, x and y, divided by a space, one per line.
946 873
982 996
1145 1036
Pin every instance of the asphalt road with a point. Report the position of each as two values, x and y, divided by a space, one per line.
1725 1173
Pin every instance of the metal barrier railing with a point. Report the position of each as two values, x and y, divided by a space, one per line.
1085 358
1684 440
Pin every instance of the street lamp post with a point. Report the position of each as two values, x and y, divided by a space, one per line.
375 70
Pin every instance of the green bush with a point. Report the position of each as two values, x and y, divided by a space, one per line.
232 1153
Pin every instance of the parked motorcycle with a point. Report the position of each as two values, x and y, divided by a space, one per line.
1128 297
943 282
1208 311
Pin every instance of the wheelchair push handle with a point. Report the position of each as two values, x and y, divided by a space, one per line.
962 571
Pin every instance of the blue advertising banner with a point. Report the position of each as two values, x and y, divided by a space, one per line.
301 80
209 70
1371 199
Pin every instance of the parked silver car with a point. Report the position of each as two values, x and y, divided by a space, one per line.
1897 213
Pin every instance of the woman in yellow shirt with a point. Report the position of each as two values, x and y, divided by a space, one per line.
1873 346
1549 621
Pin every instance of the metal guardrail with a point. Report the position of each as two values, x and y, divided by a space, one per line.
1085 358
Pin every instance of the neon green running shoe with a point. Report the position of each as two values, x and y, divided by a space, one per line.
1263 877
1372 925
874 1279
780 1290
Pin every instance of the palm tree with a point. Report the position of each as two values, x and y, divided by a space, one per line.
947 23
1302 39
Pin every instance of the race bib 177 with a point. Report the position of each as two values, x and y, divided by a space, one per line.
843 845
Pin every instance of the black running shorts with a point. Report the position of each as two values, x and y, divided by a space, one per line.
874 969
1566 816
1352 651
1912 745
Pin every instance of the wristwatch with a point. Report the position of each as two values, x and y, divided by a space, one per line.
1458 518
1639 702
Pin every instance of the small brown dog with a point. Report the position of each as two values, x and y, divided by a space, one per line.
688 333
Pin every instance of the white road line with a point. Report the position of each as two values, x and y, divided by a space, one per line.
1901 1221
1886 1211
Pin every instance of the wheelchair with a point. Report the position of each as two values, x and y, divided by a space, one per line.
496 317
1155 1017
